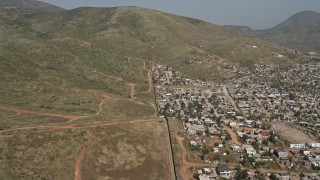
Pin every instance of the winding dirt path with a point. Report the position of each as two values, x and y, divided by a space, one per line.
109 76
130 85
103 98
70 118
77 163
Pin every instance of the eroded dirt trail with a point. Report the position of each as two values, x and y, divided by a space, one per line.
132 91
233 135
77 163
183 171
73 126
70 118
150 81
108 76
226 93
103 98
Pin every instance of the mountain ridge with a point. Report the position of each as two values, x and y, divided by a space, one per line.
300 31
31 6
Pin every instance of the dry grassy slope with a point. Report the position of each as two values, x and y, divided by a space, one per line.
44 57
32 6
161 37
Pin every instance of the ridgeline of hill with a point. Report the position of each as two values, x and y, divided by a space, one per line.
300 31
63 49
31 6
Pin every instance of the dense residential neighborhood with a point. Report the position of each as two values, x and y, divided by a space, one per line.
263 124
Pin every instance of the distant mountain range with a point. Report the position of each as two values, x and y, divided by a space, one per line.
300 31
31 6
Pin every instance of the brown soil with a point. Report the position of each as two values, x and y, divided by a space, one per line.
77 163
70 118
183 171
103 98
233 135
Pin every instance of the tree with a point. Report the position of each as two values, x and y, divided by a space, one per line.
273 177
291 96
228 137
251 159
217 158
216 144
205 151
245 137
257 174
265 142
241 174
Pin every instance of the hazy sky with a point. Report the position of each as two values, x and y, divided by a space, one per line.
257 14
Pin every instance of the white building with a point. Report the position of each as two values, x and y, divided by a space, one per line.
249 149
298 146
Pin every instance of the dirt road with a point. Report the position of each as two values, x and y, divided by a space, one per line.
183 171
73 126
70 118
233 135
77 163
226 93
103 98
264 109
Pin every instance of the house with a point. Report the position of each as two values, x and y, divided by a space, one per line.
284 161
193 143
215 150
233 124
281 153
315 145
283 176
298 146
249 149
206 177
266 148
199 128
236 148
308 176
266 158
206 171
223 171
306 152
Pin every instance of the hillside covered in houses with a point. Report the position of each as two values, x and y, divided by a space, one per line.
266 121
